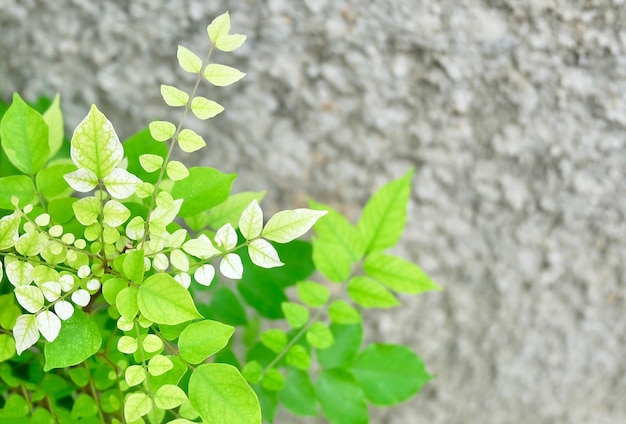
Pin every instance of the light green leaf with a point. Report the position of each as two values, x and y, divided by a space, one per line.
251 221
222 75
188 60
313 294
134 375
115 214
150 162
252 371
263 254
87 210
84 406
18 272
54 118
202 190
15 407
51 182
342 353
274 339
179 260
126 302
120 183
173 96
384 215
221 395
136 406
29 244
9 226
369 293
219 27
201 247
336 229
341 312
24 135
389 374
190 141
176 170
298 357
295 314
169 396
81 180
163 300
25 332
95 145
331 260
230 42
49 325
299 394
230 211
78 340
319 336
152 343
348 408
19 186
161 130
288 225
7 347
159 365
273 380
204 108
398 274
127 344
9 311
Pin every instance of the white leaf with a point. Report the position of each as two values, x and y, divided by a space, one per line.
179 260
49 325
226 237
19 273
204 274
81 180
231 266
25 332
135 228
183 279
120 183
251 221
200 247
81 297
177 238
67 282
263 254
64 309
30 297
160 262
51 290
288 225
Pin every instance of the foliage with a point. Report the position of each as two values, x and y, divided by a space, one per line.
112 308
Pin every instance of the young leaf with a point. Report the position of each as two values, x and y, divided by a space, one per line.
230 42
319 336
169 396
389 374
263 254
161 130
231 266
288 225
222 75
25 332
190 141
204 274
159 365
176 171
120 183
226 238
251 221
136 406
299 394
205 108
219 27
202 190
24 135
230 211
54 119
369 293
350 407
202 339
173 96
87 210
9 225
19 273
19 186
201 247
384 215
81 180
188 60
274 339
95 145
115 214
341 312
64 310
162 300
127 344
221 395
150 162
295 314
49 325
29 297
134 375
398 274
331 260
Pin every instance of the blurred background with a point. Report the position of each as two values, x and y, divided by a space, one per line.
512 112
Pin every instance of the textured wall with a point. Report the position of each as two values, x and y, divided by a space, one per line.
513 113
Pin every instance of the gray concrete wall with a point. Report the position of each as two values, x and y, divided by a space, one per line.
512 112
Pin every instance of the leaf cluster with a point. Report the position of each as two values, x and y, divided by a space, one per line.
135 289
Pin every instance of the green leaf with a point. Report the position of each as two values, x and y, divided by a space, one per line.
288 225
295 314
84 406
319 336
78 340
221 395
202 190
159 365
299 394
173 96
136 406
219 27
7 347
14 407
115 213
275 339
341 312
24 135
50 181
225 307
54 119
230 211
342 400
222 75
369 293
336 229
398 274
202 339
273 380
341 354
140 144
133 265
313 294
252 371
190 141
188 60
298 357
163 300
95 145
87 210
389 374
9 311
19 186
9 226
169 396
111 288
126 303
384 215
331 260
205 108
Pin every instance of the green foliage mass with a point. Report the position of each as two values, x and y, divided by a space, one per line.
134 289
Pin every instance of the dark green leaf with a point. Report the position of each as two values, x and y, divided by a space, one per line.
78 340
299 393
20 186
224 307
137 145
203 189
347 344
341 398
50 181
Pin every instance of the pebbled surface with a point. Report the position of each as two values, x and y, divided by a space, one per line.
512 112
